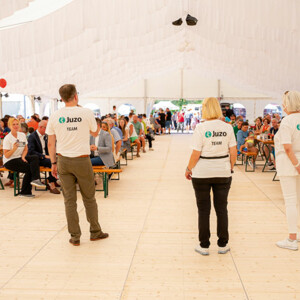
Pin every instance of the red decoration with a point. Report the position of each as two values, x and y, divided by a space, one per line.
2 83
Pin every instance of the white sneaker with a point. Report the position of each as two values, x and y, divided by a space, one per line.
202 251
223 250
288 244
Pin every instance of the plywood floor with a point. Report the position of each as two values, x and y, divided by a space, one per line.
152 221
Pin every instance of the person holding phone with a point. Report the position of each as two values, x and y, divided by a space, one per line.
15 158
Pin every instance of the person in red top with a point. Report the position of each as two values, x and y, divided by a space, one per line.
33 122
180 121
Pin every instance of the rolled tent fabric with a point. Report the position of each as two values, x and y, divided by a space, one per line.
101 45
9 7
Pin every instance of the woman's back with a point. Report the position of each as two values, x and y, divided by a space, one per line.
213 139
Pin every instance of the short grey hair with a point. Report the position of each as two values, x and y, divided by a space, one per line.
24 127
291 100
274 119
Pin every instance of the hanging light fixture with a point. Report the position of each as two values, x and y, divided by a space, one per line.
177 22
38 99
191 21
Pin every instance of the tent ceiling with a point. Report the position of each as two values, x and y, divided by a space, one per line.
102 45
9 7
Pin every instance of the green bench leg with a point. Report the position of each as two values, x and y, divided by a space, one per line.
248 158
16 184
274 178
105 185
125 157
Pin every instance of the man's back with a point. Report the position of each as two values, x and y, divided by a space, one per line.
72 126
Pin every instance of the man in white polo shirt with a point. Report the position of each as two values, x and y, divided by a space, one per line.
69 132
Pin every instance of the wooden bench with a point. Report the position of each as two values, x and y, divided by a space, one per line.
248 156
96 169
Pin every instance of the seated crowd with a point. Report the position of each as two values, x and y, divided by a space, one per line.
25 145
248 137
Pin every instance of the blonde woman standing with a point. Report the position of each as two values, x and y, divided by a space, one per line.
287 150
210 167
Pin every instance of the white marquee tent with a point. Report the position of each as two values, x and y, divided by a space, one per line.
127 51
165 105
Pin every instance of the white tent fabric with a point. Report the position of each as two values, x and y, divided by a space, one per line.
165 104
104 45
8 7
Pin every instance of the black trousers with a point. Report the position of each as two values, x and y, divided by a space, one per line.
31 169
149 138
220 188
47 163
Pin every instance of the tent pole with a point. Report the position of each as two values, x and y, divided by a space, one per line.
145 95
1 106
31 97
181 84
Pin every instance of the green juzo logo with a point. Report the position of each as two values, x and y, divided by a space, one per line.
62 120
298 126
208 134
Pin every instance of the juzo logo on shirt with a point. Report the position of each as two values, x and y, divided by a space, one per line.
298 126
69 120
208 134
62 120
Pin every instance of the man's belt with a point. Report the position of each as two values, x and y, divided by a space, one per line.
75 156
214 157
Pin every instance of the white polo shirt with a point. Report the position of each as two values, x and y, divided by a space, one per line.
8 144
288 133
72 126
213 139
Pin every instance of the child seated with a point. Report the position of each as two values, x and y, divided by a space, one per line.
249 144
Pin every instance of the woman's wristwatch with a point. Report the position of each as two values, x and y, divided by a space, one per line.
188 170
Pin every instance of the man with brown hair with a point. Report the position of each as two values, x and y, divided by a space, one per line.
68 132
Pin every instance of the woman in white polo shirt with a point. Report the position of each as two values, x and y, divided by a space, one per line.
287 150
210 167
15 158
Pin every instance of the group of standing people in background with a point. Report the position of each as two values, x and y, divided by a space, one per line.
180 121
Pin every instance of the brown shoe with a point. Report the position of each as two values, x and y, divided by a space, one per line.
54 191
101 236
9 183
138 155
74 243
56 184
